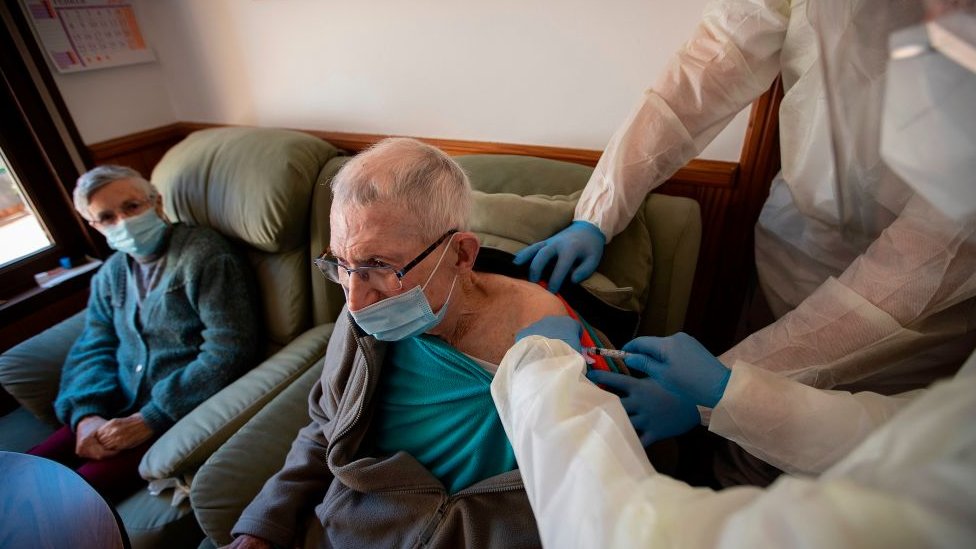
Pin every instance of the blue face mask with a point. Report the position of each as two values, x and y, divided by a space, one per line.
139 236
405 315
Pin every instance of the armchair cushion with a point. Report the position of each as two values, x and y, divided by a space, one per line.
507 217
235 473
183 448
253 185
31 370
20 431
674 225
648 268
151 521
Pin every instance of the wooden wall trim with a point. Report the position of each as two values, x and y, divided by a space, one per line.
705 172
714 173
138 140
141 150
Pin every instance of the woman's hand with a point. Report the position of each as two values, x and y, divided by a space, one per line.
124 432
87 444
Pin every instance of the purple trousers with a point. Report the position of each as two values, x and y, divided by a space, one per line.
115 477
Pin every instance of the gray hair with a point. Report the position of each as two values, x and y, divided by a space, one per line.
413 175
95 179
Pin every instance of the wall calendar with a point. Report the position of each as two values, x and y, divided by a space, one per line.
82 35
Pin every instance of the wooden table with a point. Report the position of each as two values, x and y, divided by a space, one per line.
45 504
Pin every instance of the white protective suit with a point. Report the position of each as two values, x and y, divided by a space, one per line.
896 472
890 310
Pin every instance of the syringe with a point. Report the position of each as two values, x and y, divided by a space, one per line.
611 353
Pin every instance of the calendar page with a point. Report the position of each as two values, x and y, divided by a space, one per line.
82 35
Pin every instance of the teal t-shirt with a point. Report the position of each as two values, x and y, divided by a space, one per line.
435 403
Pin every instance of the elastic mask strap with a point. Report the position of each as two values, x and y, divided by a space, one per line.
449 294
448 245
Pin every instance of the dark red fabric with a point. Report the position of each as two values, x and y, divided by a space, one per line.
114 477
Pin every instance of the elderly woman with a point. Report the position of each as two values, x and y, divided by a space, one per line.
405 447
170 321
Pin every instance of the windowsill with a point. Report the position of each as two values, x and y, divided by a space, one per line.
35 298
56 276
70 278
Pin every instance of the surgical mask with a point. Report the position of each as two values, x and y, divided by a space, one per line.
405 315
139 236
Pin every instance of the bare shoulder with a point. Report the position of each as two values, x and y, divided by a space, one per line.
536 303
511 305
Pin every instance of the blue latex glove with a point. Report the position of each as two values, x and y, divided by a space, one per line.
579 244
682 365
655 412
555 327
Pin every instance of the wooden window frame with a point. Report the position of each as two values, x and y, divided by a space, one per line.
45 154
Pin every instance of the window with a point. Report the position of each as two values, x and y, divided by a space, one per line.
22 233
41 155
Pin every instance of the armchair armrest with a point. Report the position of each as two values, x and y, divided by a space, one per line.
235 473
185 446
31 370
674 225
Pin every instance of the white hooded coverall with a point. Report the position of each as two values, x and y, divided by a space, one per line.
890 311
893 471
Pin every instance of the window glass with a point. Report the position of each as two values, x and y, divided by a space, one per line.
21 230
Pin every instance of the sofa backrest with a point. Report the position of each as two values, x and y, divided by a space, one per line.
254 186
648 268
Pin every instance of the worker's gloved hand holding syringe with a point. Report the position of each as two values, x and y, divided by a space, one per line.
680 364
681 376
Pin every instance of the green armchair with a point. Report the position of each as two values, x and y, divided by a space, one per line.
647 270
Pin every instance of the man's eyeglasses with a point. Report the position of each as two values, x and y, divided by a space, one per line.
129 208
384 278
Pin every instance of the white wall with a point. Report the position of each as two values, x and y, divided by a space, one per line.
543 72
111 102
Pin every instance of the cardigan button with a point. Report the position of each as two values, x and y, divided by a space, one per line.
138 368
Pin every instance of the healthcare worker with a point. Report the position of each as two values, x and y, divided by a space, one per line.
892 471
874 286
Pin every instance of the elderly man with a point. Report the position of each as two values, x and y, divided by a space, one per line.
405 447
171 320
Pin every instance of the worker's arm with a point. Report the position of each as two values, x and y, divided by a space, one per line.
795 427
590 485
730 60
912 289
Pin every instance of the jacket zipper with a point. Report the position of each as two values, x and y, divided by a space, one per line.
362 403
435 521
431 527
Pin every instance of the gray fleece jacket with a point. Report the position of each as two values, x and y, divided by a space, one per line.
359 500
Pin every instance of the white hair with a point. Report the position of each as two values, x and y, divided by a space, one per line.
96 178
409 174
